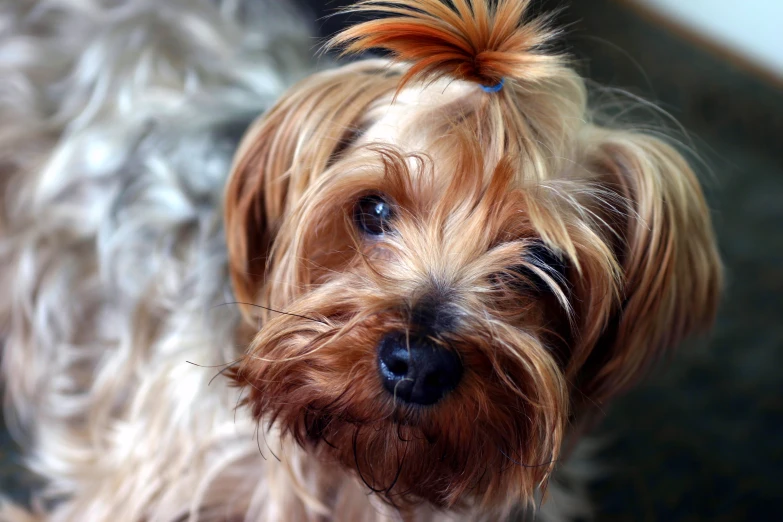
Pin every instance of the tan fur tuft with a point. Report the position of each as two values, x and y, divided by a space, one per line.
482 42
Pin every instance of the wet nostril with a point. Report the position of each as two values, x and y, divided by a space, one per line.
416 371
397 367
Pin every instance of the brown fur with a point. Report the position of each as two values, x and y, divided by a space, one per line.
478 180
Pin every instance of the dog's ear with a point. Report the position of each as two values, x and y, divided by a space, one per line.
665 244
280 156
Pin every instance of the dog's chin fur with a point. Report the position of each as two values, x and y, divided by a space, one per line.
118 125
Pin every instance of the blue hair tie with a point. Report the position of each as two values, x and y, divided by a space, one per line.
493 88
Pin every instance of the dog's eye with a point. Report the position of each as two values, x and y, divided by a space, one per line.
372 215
545 260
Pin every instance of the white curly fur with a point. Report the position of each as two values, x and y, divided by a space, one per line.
118 121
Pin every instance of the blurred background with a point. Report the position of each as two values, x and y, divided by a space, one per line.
703 440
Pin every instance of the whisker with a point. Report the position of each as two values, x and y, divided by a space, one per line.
399 470
213 365
267 444
258 442
218 374
355 443
271 310
236 407
227 366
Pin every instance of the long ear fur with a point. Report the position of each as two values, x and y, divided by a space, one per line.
281 155
667 248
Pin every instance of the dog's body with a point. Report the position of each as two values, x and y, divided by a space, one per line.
118 129
118 125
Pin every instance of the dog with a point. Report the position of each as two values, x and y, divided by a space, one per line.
404 292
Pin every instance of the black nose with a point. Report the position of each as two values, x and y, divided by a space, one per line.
415 370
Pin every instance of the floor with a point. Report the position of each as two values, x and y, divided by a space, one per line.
702 440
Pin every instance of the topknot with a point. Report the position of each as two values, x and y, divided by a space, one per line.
482 41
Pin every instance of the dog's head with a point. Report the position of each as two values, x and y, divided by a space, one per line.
459 260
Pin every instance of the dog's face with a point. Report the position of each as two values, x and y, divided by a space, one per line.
450 277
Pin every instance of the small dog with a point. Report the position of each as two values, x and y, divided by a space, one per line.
443 266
